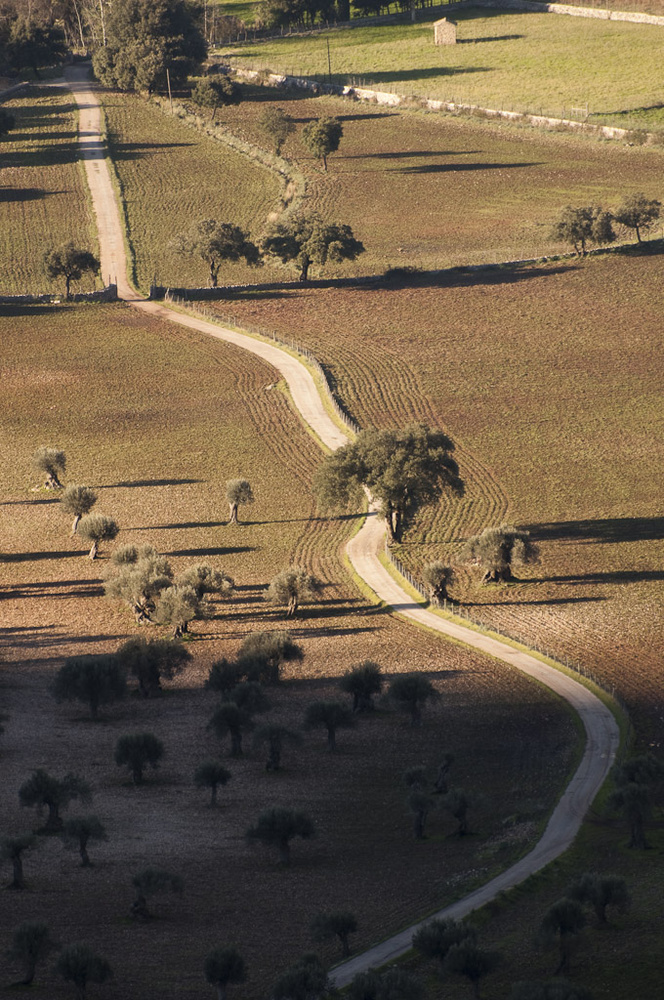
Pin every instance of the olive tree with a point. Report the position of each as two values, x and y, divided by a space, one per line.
79 965
638 213
392 983
497 550
79 831
292 587
600 891
404 470
222 967
94 679
584 225
435 938
306 239
440 784
152 882
262 655
322 137
12 849
469 960
562 923
215 242
277 827
96 528
224 675
69 262
78 500
136 751
277 125
214 91
231 720
205 579
274 736
420 805
31 944
331 715
632 794
210 774
457 802
338 923
50 462
152 660
437 577
42 789
306 980
238 491
178 606
137 577
362 681
411 692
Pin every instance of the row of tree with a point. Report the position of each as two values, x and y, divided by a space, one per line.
592 224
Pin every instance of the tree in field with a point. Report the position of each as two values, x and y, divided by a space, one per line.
497 550
305 239
277 125
600 891
152 882
641 769
437 577
214 91
79 965
306 980
403 469
31 944
435 938
34 45
339 923
440 784
210 774
206 580
144 39
392 983
136 750
292 587
137 577
12 849
79 831
177 606
562 923
96 528
78 500
69 262
274 736
42 789
411 692
222 967
231 720
362 682
277 827
467 959
7 122
632 795
50 462
638 213
223 677
95 679
262 655
215 242
331 715
457 802
250 697
554 989
420 805
581 226
238 491
152 660
322 137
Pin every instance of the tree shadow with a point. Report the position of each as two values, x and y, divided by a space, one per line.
137 150
603 530
449 168
212 551
488 38
543 601
181 524
131 483
610 576
29 556
50 135
11 309
410 155
28 503
26 194
420 73
43 156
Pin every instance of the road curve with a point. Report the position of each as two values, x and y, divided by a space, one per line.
602 735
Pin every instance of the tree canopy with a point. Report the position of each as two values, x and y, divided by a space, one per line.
52 463
277 125
214 91
95 679
638 213
69 262
215 242
584 225
78 500
304 238
42 789
292 586
498 549
322 137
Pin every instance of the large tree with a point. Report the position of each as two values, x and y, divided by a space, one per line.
330 715
411 691
403 469
96 528
497 550
210 774
137 577
435 938
584 225
467 959
238 491
562 923
79 965
600 891
152 882
78 500
292 587
136 751
42 789
362 681
306 980
150 660
95 679
231 720
337 923
262 655
215 90
223 966
31 943
69 262
215 242
50 462
144 39
277 827
393 983
277 125
437 577
275 735
79 831
304 238
322 137
638 213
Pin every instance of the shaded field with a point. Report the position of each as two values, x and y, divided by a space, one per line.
549 380
156 420
43 196
172 176
540 63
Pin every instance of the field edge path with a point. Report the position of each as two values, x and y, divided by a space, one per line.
602 733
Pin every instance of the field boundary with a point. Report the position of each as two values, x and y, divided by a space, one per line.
107 294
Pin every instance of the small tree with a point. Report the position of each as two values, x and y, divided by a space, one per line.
69 262
322 137
498 549
151 660
435 938
215 242
50 462
339 923
277 827
306 980
206 580
231 720
214 91
580 226
79 965
638 213
292 587
136 750
78 500
600 891
94 679
467 959
177 606
411 692
31 944
437 577
96 528
223 677
420 805
223 966
79 830
332 715
12 849
137 578
277 125
152 882
362 682
275 736
303 237
42 789
262 655
238 491
562 922
210 774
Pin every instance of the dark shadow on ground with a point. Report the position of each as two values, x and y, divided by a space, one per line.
28 503
212 551
136 150
610 576
611 530
488 38
28 556
26 194
544 601
28 309
448 168
410 155
417 73
130 483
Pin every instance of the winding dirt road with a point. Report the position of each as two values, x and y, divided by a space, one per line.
602 735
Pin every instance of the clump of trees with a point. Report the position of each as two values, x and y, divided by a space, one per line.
50 462
137 577
78 500
584 225
277 827
305 239
293 587
322 136
43 790
136 751
600 892
497 550
392 983
94 679
69 262
214 243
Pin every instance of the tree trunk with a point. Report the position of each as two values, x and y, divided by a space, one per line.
284 852
30 969
82 850
53 823
274 759
213 275
236 744
74 526
324 162
18 881
638 234
137 773
304 272
213 796
67 283
52 482
233 509
418 825
638 838
221 991
331 739
139 908
93 550
292 607
178 631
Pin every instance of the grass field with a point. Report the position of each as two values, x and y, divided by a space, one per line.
520 61
43 197
162 418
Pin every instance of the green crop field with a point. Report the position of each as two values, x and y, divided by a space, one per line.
514 61
43 194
